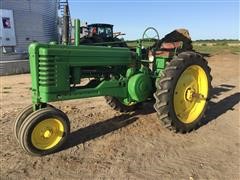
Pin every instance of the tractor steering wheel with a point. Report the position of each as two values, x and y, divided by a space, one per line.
151 34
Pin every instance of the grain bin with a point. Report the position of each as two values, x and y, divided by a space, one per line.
34 20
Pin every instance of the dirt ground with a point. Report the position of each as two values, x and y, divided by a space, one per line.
105 144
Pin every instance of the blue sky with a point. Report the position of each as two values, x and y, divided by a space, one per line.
205 19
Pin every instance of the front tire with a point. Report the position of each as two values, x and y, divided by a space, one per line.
21 118
183 91
44 131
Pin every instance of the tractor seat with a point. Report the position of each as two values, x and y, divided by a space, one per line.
171 45
167 49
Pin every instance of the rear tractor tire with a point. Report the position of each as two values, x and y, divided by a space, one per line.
183 91
44 131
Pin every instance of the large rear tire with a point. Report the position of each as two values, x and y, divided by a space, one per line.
183 91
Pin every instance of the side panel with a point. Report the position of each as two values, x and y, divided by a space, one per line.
55 67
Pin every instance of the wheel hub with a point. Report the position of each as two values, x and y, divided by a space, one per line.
47 134
189 94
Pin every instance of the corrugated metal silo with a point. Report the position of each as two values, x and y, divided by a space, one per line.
35 20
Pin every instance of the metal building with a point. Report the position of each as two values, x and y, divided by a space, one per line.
33 20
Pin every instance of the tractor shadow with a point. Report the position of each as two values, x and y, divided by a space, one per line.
216 109
102 128
99 129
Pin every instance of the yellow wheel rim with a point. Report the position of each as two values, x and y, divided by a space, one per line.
190 94
47 134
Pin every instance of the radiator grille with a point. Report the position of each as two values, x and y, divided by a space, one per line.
47 71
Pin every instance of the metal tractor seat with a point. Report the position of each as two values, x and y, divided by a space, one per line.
167 49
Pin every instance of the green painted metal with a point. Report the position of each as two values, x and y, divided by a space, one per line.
57 71
127 101
60 72
77 32
160 64
140 87
130 72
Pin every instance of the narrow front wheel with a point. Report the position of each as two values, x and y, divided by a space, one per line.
22 116
44 131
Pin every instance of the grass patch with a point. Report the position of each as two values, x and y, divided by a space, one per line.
204 47
216 49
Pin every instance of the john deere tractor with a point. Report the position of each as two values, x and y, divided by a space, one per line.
179 81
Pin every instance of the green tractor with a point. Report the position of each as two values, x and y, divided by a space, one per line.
102 35
179 81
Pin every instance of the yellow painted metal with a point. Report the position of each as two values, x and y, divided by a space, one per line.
47 134
190 94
